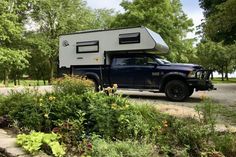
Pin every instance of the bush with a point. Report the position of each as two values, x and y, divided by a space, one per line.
73 85
23 109
192 134
75 112
102 148
226 144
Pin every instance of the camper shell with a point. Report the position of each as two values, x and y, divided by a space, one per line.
93 47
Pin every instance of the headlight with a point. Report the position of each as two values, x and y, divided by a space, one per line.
192 74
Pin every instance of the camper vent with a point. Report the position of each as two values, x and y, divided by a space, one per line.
87 47
130 38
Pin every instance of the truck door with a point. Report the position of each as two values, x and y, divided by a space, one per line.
145 72
120 72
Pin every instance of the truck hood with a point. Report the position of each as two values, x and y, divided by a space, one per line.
194 66
182 66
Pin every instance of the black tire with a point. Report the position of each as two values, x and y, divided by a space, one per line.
96 86
176 90
191 90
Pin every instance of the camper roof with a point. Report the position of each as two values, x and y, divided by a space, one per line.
160 45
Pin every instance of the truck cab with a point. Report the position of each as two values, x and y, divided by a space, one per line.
144 71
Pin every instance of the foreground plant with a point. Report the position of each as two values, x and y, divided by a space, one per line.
37 141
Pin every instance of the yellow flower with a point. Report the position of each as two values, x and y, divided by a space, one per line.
46 115
51 98
165 123
40 104
114 106
126 106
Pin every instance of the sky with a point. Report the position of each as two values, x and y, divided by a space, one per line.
190 7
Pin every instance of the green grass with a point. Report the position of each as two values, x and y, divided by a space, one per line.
218 80
25 83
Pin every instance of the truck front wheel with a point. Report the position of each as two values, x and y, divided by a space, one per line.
176 90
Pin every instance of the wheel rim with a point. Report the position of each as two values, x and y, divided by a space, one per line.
177 92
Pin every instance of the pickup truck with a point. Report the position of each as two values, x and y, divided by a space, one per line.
149 72
129 57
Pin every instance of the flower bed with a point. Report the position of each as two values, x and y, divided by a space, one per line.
71 122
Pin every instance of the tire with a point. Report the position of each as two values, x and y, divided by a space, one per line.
177 90
191 90
96 86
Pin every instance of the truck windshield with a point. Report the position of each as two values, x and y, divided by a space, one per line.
162 61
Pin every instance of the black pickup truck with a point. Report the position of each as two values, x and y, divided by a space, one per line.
148 72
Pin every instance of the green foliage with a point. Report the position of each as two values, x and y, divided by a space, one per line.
102 148
22 107
220 24
34 142
226 144
192 134
13 61
121 125
73 85
216 56
208 112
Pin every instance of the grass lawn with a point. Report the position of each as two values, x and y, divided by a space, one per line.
218 80
25 83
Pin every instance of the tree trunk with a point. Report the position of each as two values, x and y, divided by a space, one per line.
226 73
212 77
51 72
14 79
18 80
222 73
6 78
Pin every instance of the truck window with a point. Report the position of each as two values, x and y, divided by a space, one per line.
133 61
122 61
143 61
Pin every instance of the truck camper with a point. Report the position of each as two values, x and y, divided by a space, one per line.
130 58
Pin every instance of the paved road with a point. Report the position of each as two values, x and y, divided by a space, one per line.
225 94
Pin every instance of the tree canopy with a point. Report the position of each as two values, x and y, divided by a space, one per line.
163 16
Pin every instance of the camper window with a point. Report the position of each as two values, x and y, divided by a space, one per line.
87 47
130 38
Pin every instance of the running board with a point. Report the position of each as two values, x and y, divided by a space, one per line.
140 90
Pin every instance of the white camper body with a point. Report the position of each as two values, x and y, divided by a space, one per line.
90 47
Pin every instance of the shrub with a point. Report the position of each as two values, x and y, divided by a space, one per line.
102 148
22 107
226 144
193 134
73 85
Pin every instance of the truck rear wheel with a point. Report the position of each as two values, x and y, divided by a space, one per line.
176 90
95 84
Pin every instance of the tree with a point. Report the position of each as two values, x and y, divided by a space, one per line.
163 16
59 16
216 56
220 24
12 60
209 6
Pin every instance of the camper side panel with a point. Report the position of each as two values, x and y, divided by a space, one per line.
88 48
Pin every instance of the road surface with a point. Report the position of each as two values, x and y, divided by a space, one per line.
225 94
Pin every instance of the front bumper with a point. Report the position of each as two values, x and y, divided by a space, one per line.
201 81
